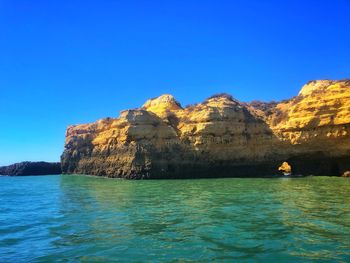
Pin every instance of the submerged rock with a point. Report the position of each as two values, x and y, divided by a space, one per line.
31 168
220 137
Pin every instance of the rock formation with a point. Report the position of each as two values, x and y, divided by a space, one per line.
220 137
285 168
346 174
31 168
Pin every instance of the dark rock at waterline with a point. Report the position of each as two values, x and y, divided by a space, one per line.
31 168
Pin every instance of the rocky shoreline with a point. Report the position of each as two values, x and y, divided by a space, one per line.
31 168
220 137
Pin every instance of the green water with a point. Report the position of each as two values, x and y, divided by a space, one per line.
78 218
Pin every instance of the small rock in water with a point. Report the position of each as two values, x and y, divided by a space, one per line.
346 174
285 168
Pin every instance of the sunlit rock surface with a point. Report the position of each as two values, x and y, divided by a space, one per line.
285 168
220 137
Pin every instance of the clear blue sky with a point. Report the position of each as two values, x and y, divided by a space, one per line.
69 62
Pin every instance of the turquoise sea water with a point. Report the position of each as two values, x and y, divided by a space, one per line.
79 218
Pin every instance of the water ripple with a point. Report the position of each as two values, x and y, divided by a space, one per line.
77 218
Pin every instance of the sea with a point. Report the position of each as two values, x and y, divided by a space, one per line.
75 218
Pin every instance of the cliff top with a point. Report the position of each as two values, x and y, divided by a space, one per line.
166 105
162 103
320 85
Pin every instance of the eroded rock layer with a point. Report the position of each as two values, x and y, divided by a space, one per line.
220 137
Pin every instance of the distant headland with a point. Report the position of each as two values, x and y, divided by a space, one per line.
220 137
31 168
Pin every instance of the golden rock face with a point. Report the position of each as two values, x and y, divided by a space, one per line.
285 168
218 137
318 104
162 105
319 113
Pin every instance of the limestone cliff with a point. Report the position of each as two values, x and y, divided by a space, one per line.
219 137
